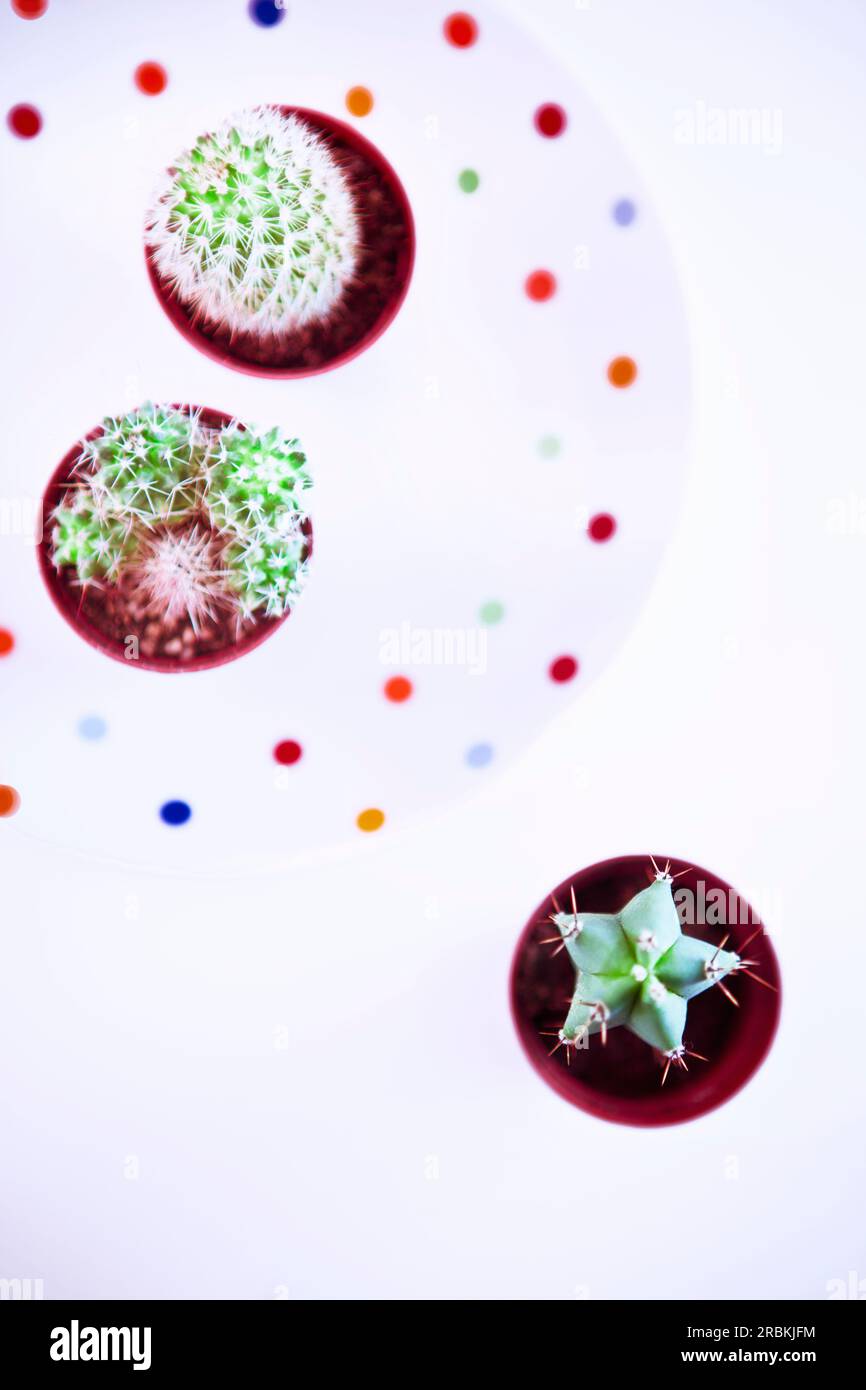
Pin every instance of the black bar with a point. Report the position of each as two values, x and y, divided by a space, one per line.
232 1340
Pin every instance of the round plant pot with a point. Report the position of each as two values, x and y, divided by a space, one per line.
368 305
82 614
622 1080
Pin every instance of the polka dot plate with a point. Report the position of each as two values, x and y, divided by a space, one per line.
495 478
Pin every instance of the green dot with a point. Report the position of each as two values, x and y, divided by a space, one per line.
492 611
549 446
468 180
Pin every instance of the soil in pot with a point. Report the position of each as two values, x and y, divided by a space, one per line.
130 615
621 1080
366 306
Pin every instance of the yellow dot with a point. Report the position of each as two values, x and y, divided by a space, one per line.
359 100
10 801
371 819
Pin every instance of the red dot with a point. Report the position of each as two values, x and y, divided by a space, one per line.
398 689
288 752
550 120
7 641
24 121
29 9
564 668
460 29
151 78
540 285
601 527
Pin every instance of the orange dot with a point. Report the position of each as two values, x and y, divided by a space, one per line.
398 689
622 371
10 800
7 641
151 78
371 819
359 100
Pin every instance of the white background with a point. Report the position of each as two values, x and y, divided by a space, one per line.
344 1110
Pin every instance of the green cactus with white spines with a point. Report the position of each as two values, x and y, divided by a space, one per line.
86 538
253 497
255 227
636 969
146 465
197 519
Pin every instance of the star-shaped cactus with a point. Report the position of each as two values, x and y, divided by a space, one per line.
636 968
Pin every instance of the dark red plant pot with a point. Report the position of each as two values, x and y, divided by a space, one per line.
369 304
621 1081
68 599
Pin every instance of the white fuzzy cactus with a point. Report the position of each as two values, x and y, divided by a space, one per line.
255 228
179 574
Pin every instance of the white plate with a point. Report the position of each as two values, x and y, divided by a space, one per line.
433 495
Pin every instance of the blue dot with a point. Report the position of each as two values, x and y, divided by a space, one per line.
479 755
624 212
267 12
92 727
175 812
